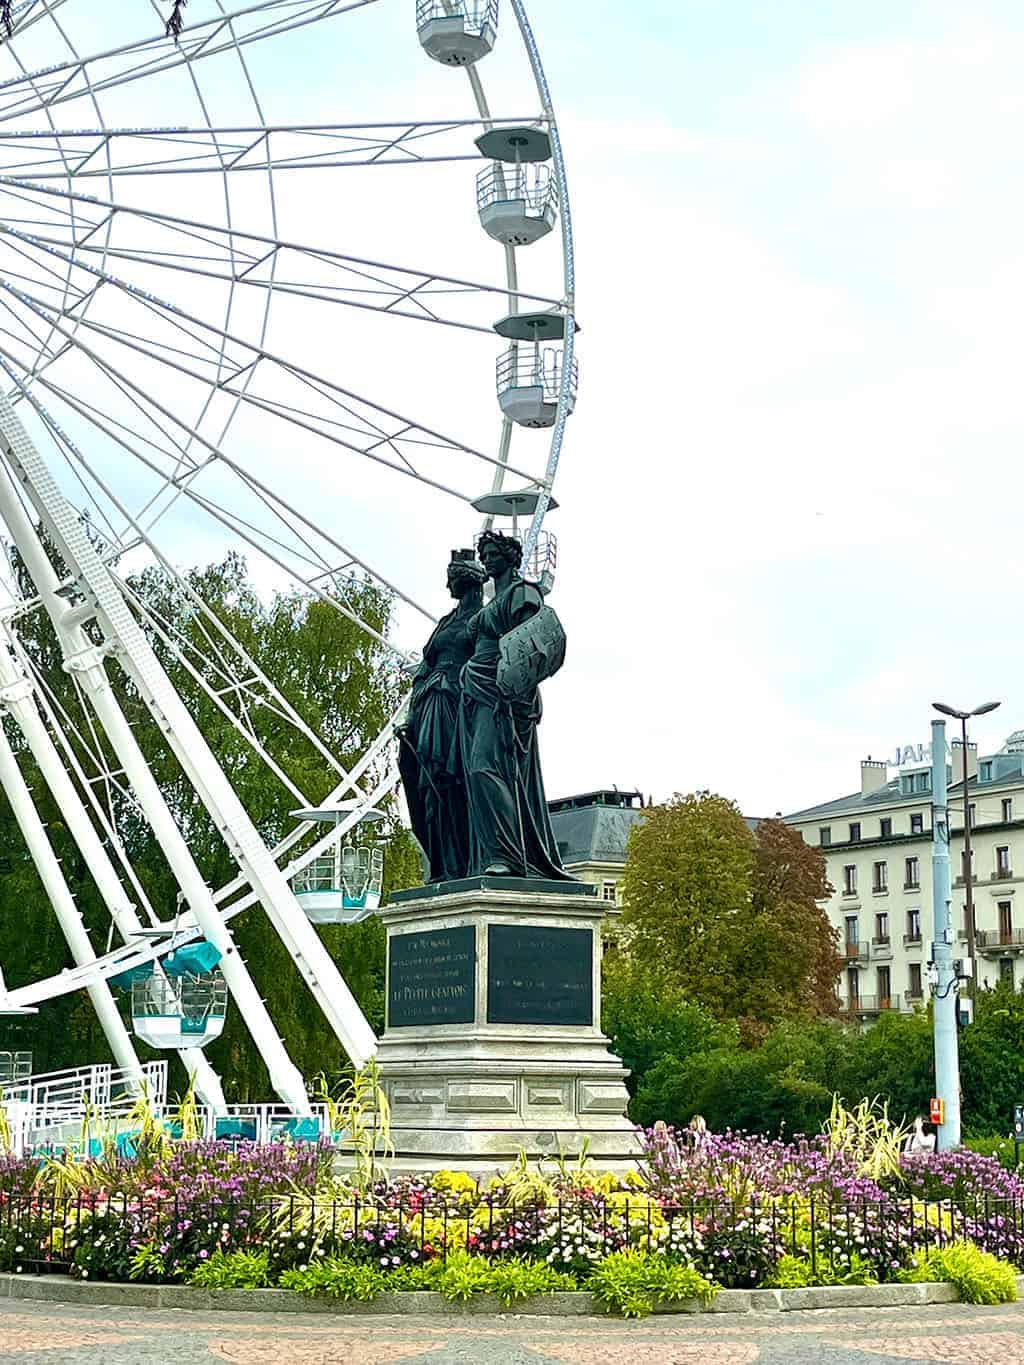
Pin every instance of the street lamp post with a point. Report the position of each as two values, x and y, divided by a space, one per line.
963 717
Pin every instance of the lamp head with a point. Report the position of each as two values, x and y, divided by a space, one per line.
950 710
986 708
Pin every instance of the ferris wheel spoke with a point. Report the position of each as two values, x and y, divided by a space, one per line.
140 151
153 54
289 267
299 559
404 432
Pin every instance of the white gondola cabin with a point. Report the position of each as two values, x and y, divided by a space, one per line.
457 32
341 887
517 204
529 381
183 1006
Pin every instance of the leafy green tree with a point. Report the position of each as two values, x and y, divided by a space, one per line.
686 880
992 1062
783 1086
893 1059
647 1017
341 682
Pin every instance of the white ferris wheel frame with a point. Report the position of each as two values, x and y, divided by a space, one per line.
94 595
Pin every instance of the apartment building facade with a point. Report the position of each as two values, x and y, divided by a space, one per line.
877 844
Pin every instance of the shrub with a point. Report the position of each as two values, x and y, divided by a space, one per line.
336 1278
797 1272
633 1282
232 1270
517 1279
979 1276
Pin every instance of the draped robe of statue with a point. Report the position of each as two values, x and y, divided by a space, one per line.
428 756
497 739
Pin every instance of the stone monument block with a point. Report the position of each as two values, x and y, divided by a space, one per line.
493 1040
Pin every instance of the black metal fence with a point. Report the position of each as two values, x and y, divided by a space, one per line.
125 1236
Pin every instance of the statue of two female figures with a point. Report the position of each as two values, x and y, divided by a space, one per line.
489 813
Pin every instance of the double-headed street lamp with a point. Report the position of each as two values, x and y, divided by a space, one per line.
963 717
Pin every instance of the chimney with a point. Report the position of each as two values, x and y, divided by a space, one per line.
958 760
873 774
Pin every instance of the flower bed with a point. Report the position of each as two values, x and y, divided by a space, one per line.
734 1211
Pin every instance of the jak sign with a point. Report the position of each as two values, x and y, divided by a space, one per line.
537 975
432 977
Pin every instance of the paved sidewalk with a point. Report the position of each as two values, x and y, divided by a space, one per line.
58 1334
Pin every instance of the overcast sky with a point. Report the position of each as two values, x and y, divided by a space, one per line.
791 491
789 494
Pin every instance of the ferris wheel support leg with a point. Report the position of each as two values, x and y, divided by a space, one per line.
17 697
125 638
84 658
64 907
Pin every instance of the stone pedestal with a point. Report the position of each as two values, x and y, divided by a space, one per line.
493 1042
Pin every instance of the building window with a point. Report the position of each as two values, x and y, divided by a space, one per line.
850 880
986 772
884 988
885 827
911 874
972 813
1006 971
608 892
852 936
852 987
1007 810
882 927
917 824
922 781
915 992
825 836
914 925
880 879
1003 861
855 832
1005 921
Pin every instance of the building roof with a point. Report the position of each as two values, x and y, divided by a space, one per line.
595 832
1006 768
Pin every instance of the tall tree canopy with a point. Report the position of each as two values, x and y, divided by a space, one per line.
342 683
731 913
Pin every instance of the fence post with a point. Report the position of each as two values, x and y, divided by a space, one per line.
814 1241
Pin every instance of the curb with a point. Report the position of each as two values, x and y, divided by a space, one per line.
62 1289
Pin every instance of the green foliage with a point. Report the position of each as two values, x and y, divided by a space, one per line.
360 1115
634 1282
992 1061
893 1059
706 899
796 1272
785 1085
344 685
647 1016
147 1265
233 1270
868 1135
999 1147
517 1279
336 1278
979 1276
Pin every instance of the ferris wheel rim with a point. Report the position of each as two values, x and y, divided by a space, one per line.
503 466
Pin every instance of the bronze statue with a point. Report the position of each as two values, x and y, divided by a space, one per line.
509 828
428 754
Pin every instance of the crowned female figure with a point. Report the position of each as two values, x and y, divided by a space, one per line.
509 828
428 754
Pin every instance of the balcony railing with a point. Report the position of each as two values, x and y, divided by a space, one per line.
914 995
994 939
912 886
1002 874
912 940
868 1004
856 954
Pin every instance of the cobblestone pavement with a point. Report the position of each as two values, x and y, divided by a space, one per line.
58 1334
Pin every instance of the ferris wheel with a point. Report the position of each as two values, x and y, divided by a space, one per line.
246 302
